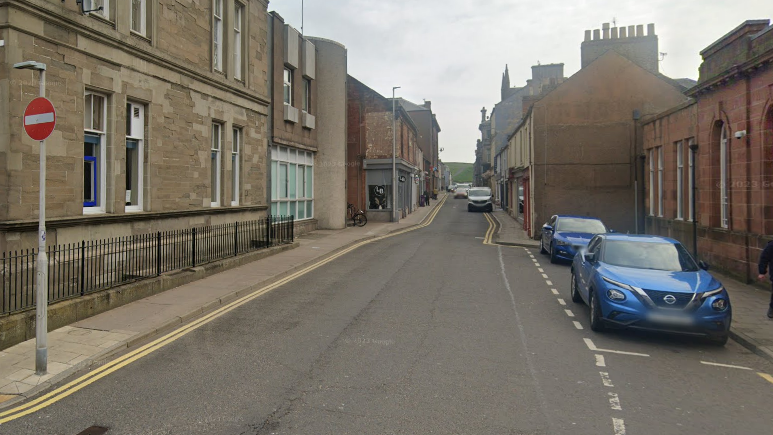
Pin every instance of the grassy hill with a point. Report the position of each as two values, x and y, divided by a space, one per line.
460 172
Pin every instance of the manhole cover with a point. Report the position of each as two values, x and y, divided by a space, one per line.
94 430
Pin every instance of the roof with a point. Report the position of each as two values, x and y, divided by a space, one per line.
644 238
399 108
409 106
577 217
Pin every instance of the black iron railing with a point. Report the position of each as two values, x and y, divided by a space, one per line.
77 269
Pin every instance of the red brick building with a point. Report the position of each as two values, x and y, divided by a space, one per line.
731 121
369 153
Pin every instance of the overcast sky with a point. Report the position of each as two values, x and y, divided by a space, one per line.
453 52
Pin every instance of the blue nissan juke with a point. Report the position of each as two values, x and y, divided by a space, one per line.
563 235
650 283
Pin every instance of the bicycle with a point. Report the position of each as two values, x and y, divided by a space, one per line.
357 216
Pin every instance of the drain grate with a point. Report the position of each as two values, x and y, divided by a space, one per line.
94 430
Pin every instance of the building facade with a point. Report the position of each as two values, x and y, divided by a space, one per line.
731 122
427 139
370 133
162 113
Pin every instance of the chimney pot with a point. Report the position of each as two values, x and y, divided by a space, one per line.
623 35
614 33
631 31
651 29
587 35
605 30
605 26
640 30
596 34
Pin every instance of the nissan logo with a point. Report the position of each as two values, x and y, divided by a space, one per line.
669 299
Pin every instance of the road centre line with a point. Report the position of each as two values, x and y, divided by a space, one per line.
569 313
614 402
729 366
555 292
540 269
605 379
544 276
600 361
593 347
561 301
536 264
767 377
577 325
549 282
83 381
619 426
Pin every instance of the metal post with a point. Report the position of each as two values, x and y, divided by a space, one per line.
693 151
41 325
394 157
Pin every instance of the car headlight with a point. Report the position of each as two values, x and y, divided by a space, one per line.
720 304
711 293
615 295
562 243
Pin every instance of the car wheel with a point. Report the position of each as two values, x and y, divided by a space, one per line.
596 324
553 258
719 340
576 298
542 247
469 208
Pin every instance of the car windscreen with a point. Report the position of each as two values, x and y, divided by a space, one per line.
576 225
479 192
647 255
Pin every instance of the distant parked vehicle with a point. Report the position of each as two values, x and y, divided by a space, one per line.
461 191
479 199
650 283
564 235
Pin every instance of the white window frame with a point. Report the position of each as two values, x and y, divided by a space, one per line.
652 182
690 175
287 83
660 181
302 160
236 146
724 162
137 133
217 35
143 30
238 39
216 152
306 103
102 162
680 180
94 4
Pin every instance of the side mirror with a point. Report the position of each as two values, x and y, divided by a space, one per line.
611 231
703 265
590 257
547 228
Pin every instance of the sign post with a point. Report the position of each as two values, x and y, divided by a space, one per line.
39 122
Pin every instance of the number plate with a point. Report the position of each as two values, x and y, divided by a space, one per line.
670 319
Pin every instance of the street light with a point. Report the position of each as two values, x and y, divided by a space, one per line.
41 315
693 151
394 160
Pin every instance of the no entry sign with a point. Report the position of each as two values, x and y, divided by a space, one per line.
39 118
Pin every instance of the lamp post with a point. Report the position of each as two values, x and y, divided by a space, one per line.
693 151
41 315
394 159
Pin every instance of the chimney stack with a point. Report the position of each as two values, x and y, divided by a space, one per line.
428 104
587 35
640 30
614 33
651 29
596 34
622 33
631 31
605 30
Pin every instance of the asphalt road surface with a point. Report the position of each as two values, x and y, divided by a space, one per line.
428 332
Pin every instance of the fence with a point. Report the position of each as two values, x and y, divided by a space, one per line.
78 269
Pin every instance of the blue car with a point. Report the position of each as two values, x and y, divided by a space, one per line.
650 283
563 235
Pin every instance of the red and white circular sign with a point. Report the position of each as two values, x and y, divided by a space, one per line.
39 118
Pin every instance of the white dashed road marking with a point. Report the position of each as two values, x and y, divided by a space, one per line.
545 276
605 379
577 325
592 346
614 402
536 264
540 270
725 365
619 426
600 361
549 282
555 292
570 314
561 301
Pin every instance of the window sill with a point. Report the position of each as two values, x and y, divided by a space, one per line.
214 205
102 18
234 203
139 35
133 209
93 210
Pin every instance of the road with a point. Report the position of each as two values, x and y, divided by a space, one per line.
428 332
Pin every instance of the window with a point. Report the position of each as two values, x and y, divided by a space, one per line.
139 17
306 96
235 165
723 167
691 176
238 17
288 86
217 131
660 181
292 182
94 180
680 180
135 149
96 4
217 36
652 182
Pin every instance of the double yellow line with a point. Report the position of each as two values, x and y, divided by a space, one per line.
91 377
490 232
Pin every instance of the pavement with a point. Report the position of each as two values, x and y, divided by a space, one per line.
751 327
94 340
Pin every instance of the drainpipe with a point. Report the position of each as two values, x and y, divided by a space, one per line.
270 134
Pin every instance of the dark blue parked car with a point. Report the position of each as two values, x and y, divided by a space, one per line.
563 235
652 283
